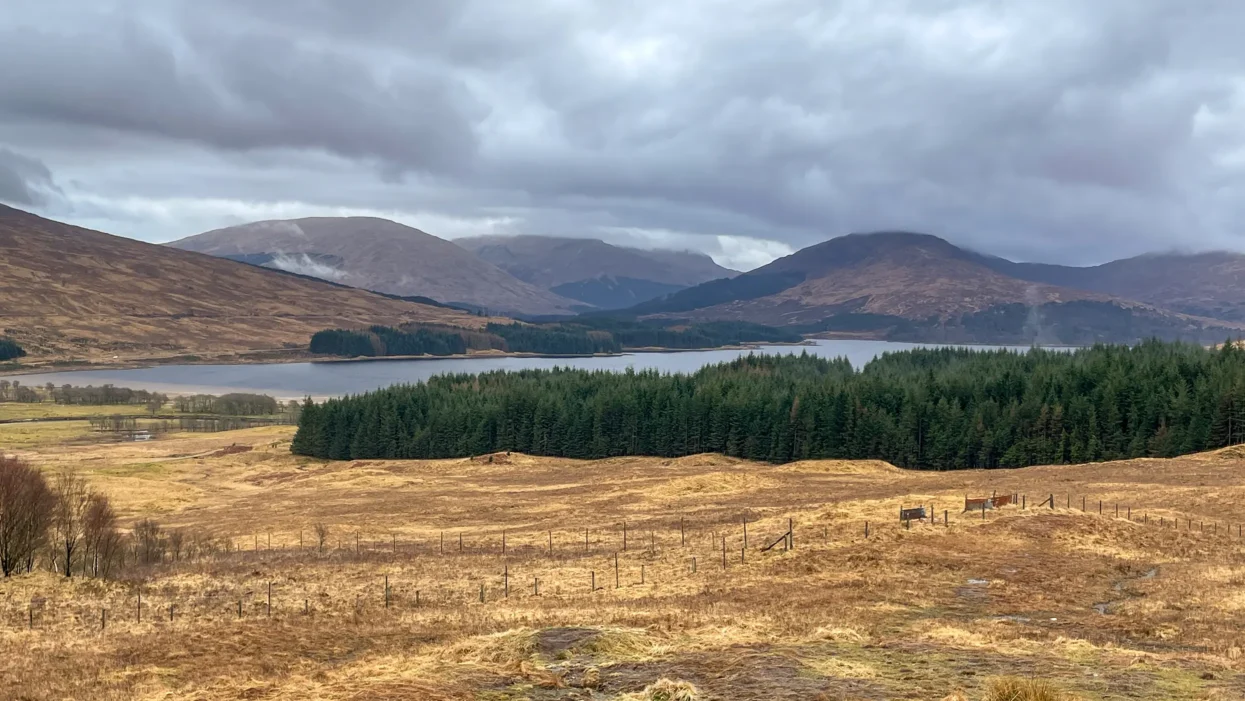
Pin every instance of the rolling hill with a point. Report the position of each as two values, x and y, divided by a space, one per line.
594 272
69 292
380 255
1203 284
908 286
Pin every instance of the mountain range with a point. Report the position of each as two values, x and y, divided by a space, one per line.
525 276
70 292
918 287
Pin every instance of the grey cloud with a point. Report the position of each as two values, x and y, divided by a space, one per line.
24 180
1062 131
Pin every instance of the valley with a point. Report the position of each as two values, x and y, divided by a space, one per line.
1104 605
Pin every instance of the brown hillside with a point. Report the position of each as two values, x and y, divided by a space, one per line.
916 287
66 291
1205 284
381 255
549 261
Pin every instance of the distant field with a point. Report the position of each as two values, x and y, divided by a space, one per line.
45 410
1105 607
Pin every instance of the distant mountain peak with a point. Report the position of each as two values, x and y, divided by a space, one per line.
382 255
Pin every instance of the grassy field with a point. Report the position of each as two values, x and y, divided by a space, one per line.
1102 606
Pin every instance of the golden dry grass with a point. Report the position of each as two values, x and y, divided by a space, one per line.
1102 607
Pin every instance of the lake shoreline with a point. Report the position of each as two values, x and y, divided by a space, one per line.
322 378
285 357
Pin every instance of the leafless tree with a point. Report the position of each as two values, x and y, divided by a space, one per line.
177 539
73 499
148 542
100 536
322 535
26 507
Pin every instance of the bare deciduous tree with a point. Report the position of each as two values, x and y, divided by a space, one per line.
177 539
73 499
101 539
26 506
148 542
322 535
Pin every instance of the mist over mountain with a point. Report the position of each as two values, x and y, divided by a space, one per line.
380 255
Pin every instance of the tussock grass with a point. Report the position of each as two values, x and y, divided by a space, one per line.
665 690
1021 689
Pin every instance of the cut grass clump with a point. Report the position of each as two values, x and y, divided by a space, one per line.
665 690
620 644
508 648
1020 689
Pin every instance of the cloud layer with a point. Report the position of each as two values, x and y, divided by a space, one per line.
1062 131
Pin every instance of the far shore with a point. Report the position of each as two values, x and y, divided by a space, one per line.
286 356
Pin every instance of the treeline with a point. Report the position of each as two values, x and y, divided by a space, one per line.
587 336
924 409
234 404
9 350
65 526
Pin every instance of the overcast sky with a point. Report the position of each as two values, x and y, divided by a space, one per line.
1069 131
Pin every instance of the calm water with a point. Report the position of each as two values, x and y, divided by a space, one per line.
296 380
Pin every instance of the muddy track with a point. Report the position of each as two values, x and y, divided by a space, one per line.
1119 585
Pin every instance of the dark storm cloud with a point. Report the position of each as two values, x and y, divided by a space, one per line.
1063 130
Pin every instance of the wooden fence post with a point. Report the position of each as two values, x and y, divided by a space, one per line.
386 591
682 534
270 599
139 611
866 529
744 519
103 619
551 543
503 541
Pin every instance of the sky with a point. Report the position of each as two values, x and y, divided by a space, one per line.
1059 131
